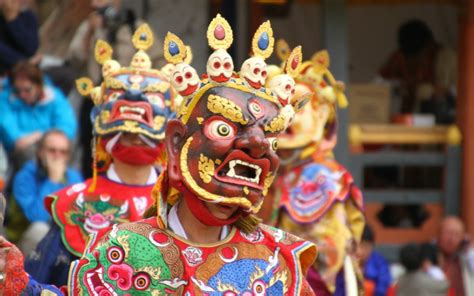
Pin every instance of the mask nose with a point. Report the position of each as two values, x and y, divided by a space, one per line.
134 95
122 274
253 142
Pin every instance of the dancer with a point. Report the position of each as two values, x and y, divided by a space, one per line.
221 162
203 237
314 196
132 106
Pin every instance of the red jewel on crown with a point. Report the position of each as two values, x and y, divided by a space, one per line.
295 63
219 32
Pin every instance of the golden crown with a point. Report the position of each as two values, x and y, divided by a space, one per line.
140 64
252 76
316 73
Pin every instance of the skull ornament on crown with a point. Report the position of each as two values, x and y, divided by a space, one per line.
254 69
222 147
281 84
135 99
220 66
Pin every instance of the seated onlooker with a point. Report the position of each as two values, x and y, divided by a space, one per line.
39 178
375 267
429 259
19 38
415 281
29 108
456 256
424 70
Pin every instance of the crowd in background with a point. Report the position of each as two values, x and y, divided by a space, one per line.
39 131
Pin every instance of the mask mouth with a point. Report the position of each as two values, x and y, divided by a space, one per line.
96 284
92 227
220 78
241 169
136 111
309 201
254 84
189 89
244 171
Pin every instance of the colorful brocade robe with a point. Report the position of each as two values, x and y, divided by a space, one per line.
81 214
320 202
141 259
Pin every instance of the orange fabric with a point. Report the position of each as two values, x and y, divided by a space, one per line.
369 287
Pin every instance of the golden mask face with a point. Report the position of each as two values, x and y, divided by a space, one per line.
309 124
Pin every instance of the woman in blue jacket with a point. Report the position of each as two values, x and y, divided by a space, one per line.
30 107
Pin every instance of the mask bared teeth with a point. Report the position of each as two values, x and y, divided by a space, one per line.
243 170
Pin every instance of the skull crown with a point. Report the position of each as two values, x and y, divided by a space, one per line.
253 74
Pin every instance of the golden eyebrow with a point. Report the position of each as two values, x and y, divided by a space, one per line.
219 105
157 87
277 124
115 83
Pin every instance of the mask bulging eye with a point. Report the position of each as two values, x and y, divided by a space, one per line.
256 71
114 96
227 65
219 130
217 65
188 75
259 288
223 130
115 255
273 143
155 99
256 109
141 281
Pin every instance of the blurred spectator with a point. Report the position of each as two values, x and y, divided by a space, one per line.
415 281
375 267
126 179
39 178
456 256
18 33
425 70
110 22
429 259
29 108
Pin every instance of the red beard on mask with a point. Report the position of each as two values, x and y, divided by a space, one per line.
200 211
136 155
